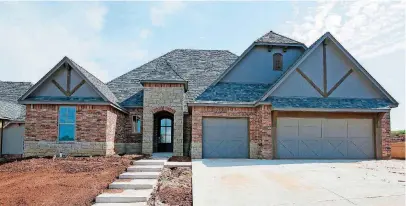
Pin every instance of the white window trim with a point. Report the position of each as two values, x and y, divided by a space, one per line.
74 137
134 129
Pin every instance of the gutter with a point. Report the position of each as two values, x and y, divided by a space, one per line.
330 110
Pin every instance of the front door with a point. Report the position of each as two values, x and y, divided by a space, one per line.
165 136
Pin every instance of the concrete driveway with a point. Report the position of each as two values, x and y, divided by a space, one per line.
298 182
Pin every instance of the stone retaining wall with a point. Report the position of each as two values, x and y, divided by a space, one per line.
47 148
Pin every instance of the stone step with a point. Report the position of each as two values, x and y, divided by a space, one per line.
139 175
127 196
122 204
145 168
177 164
134 184
149 162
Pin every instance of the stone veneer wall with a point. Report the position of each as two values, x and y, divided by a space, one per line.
187 134
96 127
130 142
260 125
163 97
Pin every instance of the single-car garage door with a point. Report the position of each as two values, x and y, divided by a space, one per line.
225 138
318 138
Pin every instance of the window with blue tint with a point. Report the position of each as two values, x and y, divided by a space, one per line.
165 131
67 123
136 122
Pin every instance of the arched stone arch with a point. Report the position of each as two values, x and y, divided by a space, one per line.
163 108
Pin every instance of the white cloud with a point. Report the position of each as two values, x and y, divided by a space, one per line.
366 28
35 37
145 33
160 12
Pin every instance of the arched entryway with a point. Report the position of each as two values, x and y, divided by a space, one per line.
163 132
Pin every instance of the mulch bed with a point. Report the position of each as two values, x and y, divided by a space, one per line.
174 188
59 181
179 159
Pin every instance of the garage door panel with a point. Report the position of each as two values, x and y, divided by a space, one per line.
225 138
334 148
310 149
288 148
310 128
360 128
360 148
334 128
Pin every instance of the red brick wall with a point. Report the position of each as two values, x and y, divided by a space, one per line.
128 135
94 123
41 122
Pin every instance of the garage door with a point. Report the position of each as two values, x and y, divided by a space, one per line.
225 138
317 138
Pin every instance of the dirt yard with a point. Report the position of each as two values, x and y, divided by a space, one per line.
60 181
174 188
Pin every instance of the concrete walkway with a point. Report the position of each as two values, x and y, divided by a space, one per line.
139 181
298 182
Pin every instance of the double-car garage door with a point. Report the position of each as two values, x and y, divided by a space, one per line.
319 138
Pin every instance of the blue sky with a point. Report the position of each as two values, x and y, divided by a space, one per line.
111 38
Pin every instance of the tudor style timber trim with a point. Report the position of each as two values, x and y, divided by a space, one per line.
68 92
324 67
311 82
339 82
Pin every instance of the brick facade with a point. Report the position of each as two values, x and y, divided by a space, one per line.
260 125
97 126
163 97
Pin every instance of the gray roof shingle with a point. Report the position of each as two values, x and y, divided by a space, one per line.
9 94
272 37
232 92
328 103
198 67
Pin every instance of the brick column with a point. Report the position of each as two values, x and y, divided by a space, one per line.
196 146
384 127
266 131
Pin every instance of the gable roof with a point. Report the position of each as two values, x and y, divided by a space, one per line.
9 94
274 38
198 67
293 67
268 39
93 81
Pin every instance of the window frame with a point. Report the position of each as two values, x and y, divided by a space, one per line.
277 57
166 127
59 124
134 129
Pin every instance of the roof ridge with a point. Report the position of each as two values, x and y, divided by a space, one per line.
170 66
285 37
267 38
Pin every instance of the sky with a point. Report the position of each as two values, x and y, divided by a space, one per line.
111 38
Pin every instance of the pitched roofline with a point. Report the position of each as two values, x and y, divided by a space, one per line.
309 51
54 69
242 56
328 110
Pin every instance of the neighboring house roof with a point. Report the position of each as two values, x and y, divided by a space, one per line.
280 103
310 50
93 81
198 67
9 94
274 38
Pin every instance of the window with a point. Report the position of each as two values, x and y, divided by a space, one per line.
67 123
277 61
136 124
166 131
